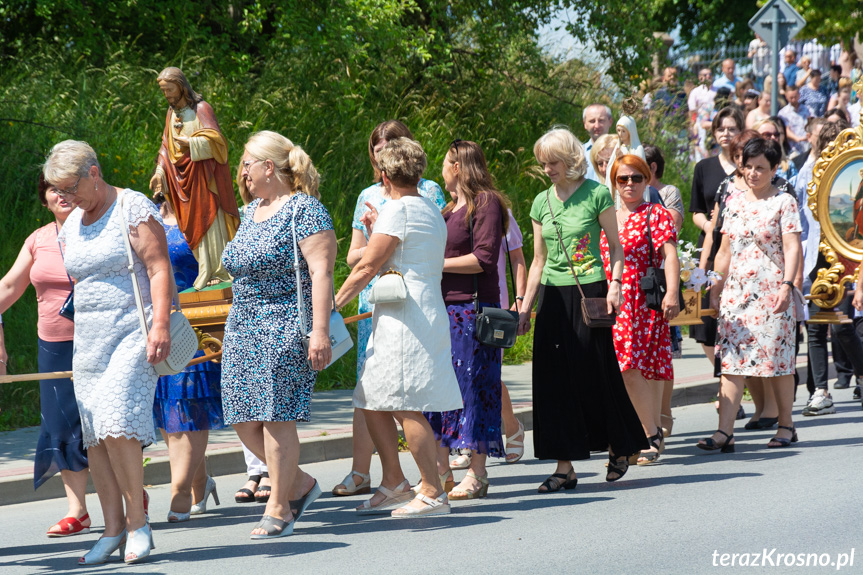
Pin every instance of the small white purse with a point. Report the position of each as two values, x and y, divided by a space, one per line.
340 339
390 286
184 342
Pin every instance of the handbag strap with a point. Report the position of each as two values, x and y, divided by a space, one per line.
301 303
139 301
650 237
560 240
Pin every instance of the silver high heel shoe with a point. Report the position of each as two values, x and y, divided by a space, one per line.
200 508
139 543
103 549
177 517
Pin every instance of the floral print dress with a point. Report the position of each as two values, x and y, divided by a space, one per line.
752 339
641 335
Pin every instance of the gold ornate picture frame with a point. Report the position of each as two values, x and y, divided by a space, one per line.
835 197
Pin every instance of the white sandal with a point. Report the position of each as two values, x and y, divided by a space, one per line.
439 506
349 486
462 461
393 498
519 445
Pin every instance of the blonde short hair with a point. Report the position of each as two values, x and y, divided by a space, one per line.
602 143
559 144
69 159
403 161
293 164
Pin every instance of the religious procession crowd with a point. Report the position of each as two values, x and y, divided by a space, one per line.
604 279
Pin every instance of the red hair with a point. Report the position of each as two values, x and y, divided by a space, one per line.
632 161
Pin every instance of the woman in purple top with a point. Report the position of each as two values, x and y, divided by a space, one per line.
477 209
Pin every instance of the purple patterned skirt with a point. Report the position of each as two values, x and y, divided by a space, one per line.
477 367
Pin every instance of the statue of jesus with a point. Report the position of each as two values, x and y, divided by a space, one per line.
192 171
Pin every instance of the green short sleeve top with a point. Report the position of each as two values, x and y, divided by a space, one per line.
578 221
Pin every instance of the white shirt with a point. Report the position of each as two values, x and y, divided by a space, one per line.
590 174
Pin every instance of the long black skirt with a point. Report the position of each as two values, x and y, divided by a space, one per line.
579 401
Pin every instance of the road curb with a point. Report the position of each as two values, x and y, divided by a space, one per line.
230 461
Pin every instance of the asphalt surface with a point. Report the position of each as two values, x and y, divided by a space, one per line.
680 515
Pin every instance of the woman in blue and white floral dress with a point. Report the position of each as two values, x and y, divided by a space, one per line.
266 380
369 205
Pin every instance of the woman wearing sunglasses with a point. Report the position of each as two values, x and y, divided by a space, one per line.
641 335
579 400
773 128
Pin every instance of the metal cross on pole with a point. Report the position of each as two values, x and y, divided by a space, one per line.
777 23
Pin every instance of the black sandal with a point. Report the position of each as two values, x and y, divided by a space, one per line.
710 445
248 496
783 441
558 481
656 442
267 488
618 465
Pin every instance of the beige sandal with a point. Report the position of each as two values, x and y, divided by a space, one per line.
459 494
462 461
446 481
349 487
437 506
392 498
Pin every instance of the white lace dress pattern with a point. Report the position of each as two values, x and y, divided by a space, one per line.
114 384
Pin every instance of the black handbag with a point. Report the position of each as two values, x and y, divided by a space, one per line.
652 283
494 327
67 310
594 310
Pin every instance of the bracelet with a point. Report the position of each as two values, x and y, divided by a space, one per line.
788 283
618 280
519 297
3 361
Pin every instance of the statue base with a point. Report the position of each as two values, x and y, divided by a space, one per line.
208 309
832 316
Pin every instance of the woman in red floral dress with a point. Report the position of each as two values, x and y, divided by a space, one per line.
641 335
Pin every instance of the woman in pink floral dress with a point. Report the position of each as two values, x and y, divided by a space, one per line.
758 260
641 335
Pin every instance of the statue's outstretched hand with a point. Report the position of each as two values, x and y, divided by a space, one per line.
156 184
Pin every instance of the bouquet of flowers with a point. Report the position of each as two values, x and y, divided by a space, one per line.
691 276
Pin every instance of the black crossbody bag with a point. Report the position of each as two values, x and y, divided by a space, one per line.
652 283
495 327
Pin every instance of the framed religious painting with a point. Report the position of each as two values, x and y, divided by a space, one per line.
836 200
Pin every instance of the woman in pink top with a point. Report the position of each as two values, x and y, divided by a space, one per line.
60 446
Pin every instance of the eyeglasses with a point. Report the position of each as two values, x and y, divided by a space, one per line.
634 178
249 163
71 191
771 135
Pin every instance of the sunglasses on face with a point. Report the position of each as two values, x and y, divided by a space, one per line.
68 192
634 178
771 135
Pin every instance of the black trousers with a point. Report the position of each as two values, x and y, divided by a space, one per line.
844 337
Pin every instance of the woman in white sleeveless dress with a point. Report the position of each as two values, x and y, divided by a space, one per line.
112 361
408 366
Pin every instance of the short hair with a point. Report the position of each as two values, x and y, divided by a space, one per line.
69 159
602 143
829 132
632 161
838 112
43 189
761 147
815 121
389 130
403 161
844 82
791 51
741 139
653 155
792 87
728 112
586 108
815 72
293 165
836 68
559 144
176 76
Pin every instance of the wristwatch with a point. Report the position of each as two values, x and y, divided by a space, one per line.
788 283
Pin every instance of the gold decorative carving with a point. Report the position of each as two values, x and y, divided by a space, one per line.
837 204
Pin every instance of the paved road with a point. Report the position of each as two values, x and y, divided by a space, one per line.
666 518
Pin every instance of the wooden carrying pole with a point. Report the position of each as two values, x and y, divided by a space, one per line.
67 374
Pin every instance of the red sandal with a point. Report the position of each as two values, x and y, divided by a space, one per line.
70 526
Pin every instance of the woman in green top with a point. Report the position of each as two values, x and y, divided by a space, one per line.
579 400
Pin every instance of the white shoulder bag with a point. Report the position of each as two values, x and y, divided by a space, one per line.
184 342
340 339
390 286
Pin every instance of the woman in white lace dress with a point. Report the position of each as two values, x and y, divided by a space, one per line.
112 361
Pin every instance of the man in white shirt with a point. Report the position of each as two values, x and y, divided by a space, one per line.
759 51
597 122
700 102
727 79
